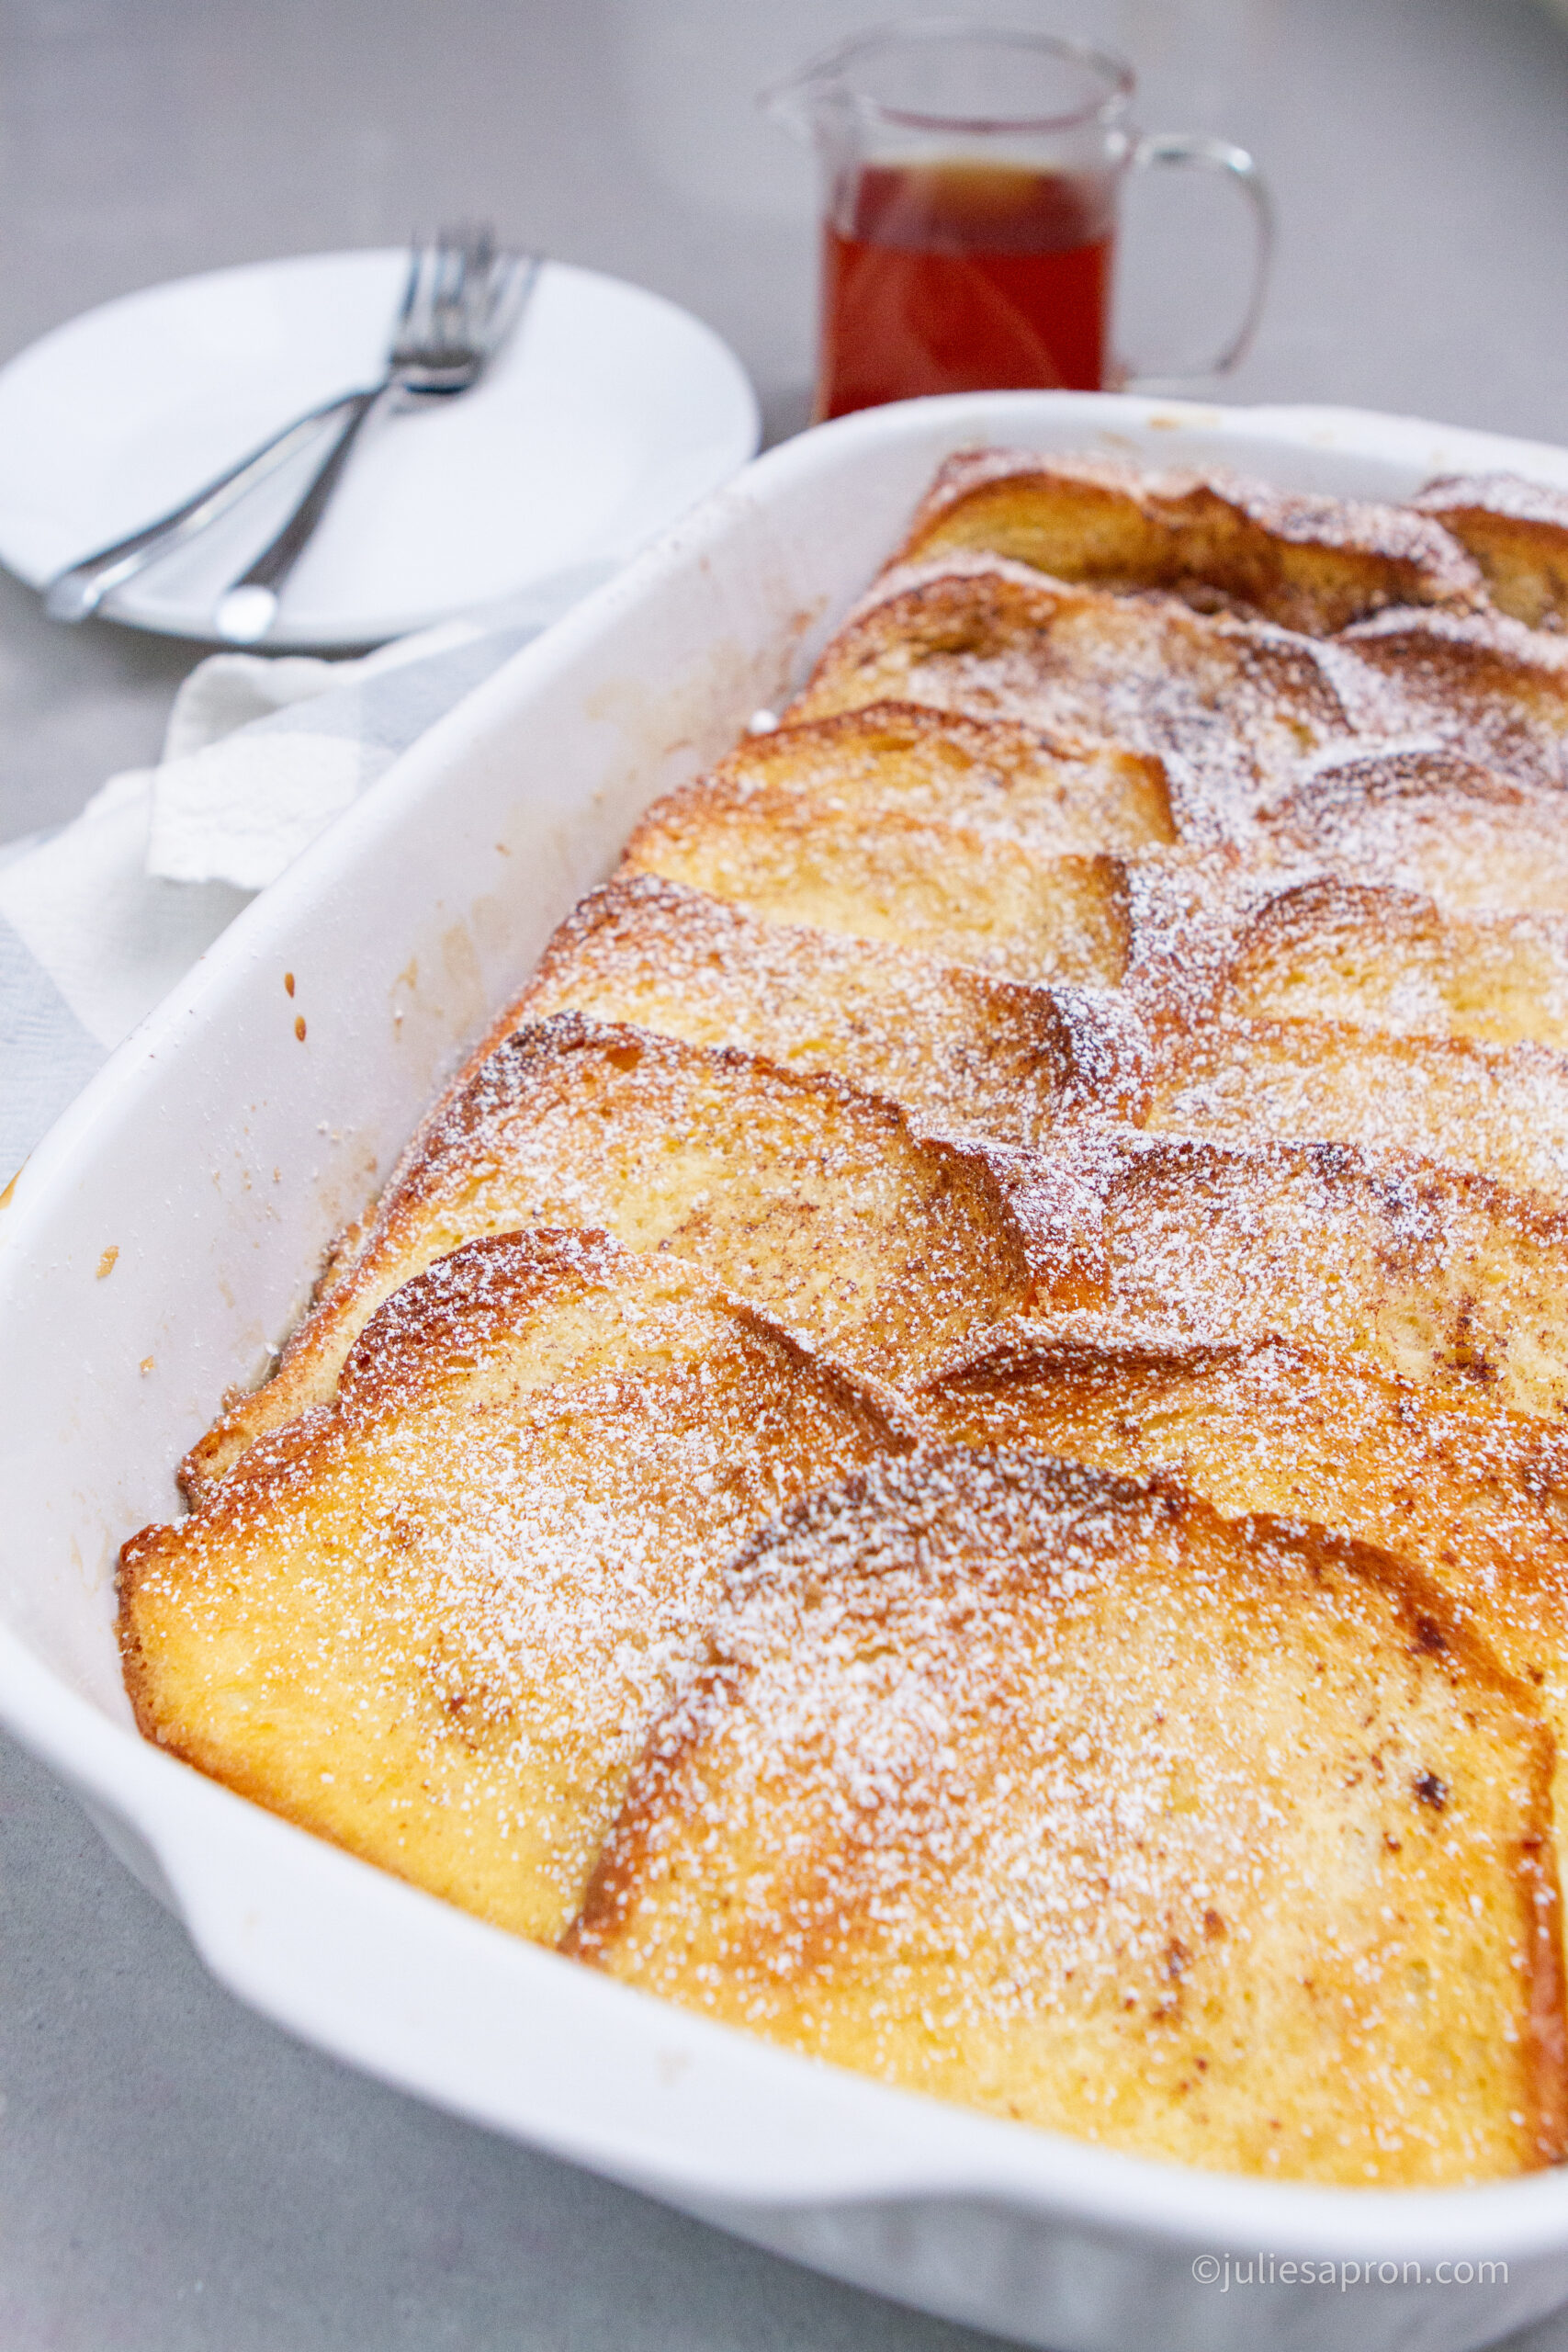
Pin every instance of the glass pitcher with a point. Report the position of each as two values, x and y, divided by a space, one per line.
971 179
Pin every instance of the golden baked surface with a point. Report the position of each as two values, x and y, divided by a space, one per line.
1432 821
1517 532
1313 563
1472 1497
1501 1110
819 1204
1060 1795
950 1444
959 1049
434 1618
1446 1278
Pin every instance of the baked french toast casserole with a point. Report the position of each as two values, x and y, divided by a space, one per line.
951 1445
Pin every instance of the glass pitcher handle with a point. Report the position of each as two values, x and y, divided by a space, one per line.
1183 151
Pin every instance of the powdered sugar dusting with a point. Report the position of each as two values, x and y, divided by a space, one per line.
474 1577
1128 1010
909 1814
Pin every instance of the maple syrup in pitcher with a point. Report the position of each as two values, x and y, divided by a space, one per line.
963 277
970 175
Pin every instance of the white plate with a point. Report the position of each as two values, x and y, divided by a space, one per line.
608 414
217 1153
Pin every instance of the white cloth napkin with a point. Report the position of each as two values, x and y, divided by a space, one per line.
98 920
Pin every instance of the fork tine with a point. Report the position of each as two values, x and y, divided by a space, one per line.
411 283
414 319
464 242
512 281
465 295
465 276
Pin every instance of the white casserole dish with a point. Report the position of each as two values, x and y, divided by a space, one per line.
216 1154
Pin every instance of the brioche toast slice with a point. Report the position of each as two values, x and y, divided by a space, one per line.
1435 1275
433 1619
1517 531
1478 683
900 759
1229 708
1427 820
1328 949
1499 1109
945 891
1312 564
1475 1498
810 1200
1232 708
965 1053
1056 1794
1191 932
962 1051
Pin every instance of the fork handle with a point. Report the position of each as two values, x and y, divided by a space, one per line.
77 591
247 609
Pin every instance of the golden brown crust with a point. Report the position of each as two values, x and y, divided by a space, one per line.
1428 819
944 891
1479 684
962 1049
1190 933
1330 949
819 1203
1501 1110
1232 708
897 758
1476 1499
911 1816
1434 1275
1229 708
1473 1496
1518 533
1311 563
430 1619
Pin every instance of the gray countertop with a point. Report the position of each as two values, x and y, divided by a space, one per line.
174 2174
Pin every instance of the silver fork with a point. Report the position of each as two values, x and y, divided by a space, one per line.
461 299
